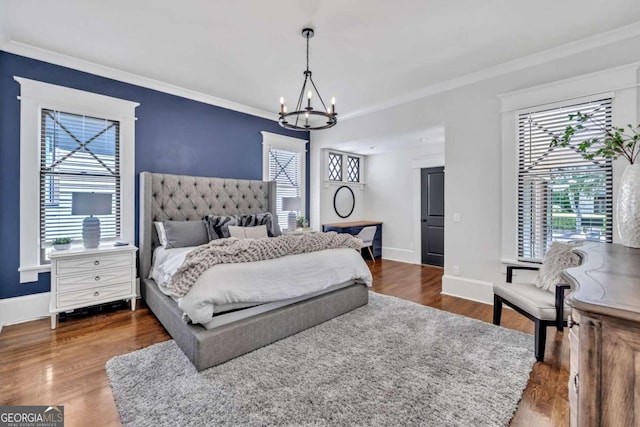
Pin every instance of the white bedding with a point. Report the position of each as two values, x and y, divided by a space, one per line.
228 286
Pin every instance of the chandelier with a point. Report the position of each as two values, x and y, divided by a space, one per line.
307 118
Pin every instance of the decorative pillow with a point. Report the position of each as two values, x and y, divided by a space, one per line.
180 234
256 232
162 235
218 226
258 219
559 257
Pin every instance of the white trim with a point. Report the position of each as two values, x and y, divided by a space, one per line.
621 83
539 58
282 142
400 255
604 82
24 308
471 289
126 77
418 163
34 96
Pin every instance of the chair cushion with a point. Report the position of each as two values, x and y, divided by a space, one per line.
528 297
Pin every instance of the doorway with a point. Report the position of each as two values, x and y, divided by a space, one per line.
432 215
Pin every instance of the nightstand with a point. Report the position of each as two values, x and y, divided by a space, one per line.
84 277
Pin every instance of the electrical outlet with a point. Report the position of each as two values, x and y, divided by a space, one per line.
456 270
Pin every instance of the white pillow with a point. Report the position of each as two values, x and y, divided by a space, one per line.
162 234
256 232
559 257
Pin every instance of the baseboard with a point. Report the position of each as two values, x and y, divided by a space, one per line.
401 255
24 309
471 289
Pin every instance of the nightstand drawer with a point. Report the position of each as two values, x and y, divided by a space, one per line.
89 263
93 279
94 296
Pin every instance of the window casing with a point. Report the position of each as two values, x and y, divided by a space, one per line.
561 196
35 99
284 161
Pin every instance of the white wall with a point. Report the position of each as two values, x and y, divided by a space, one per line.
393 197
472 119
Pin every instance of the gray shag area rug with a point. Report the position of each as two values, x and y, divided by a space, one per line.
389 363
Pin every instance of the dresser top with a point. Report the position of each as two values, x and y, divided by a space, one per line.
607 282
79 250
352 224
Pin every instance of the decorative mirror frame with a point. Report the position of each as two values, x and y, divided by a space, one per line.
353 198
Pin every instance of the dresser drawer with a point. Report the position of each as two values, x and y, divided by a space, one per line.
90 263
93 279
94 295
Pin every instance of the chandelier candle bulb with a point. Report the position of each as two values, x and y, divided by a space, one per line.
282 107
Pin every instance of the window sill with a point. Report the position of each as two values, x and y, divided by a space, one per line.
30 274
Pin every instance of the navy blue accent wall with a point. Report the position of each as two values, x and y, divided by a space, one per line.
173 135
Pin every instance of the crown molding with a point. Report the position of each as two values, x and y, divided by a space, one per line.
126 77
538 58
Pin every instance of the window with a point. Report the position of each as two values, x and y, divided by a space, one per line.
353 169
71 141
77 154
284 162
343 167
335 167
561 196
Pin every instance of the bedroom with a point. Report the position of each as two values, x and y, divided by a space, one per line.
193 106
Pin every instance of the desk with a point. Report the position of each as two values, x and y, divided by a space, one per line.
354 227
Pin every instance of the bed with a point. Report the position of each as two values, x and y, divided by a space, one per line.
228 335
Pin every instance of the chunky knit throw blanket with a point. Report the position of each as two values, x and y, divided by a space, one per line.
233 250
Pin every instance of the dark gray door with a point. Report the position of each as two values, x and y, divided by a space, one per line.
432 217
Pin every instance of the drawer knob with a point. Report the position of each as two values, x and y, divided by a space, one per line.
96 262
570 322
96 293
97 278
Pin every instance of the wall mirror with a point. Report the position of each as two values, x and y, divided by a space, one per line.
344 201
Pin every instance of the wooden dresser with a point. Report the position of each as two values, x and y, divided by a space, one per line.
604 378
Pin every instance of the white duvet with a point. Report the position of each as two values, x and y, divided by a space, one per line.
229 286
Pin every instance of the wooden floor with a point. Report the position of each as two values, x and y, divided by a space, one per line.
66 366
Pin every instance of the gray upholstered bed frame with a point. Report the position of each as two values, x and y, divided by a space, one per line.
180 197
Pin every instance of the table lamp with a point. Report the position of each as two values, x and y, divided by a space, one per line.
293 205
91 204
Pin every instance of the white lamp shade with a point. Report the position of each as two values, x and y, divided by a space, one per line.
90 203
291 203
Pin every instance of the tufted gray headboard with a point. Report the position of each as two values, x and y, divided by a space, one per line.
182 197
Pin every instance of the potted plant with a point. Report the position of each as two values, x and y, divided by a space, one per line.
612 143
61 243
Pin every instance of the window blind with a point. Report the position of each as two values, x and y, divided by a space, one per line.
285 169
562 196
77 154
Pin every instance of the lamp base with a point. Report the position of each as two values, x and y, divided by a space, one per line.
292 221
91 232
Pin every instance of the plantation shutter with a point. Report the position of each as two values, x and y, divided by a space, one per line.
562 196
285 169
77 154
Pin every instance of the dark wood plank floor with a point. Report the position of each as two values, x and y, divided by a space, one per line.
66 366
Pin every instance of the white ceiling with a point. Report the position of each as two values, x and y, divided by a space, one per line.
250 51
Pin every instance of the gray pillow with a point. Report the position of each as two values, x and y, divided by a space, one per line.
559 257
181 234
